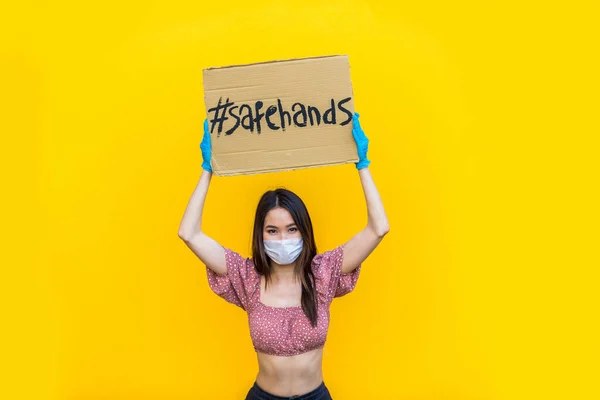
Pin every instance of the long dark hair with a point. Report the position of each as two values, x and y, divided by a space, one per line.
288 200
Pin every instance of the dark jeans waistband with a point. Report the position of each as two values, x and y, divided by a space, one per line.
258 393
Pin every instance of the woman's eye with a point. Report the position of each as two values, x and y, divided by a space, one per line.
271 231
293 229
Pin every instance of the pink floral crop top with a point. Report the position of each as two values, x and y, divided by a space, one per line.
283 331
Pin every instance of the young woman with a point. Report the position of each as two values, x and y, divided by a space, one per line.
285 288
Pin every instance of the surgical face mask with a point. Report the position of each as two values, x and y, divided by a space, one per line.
283 252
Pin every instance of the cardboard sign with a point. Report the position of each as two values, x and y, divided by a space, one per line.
280 115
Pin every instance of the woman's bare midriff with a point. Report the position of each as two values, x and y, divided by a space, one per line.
290 376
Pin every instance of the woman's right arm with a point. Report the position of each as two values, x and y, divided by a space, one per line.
207 249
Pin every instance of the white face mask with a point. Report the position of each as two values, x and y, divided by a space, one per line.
283 252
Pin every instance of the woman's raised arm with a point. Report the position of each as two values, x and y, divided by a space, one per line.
211 253
358 248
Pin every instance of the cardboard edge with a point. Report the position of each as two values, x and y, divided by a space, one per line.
276 61
286 169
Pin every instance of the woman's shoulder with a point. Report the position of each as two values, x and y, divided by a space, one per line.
234 255
328 257
239 262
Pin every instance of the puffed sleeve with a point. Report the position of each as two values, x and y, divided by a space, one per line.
238 284
329 279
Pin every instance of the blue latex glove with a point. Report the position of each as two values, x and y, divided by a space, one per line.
205 147
362 143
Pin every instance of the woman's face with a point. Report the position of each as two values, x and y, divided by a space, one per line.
279 225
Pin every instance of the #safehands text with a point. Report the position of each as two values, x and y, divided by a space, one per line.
275 117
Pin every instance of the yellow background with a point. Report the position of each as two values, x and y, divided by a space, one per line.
483 125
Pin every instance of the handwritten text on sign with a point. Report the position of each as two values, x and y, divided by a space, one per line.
275 117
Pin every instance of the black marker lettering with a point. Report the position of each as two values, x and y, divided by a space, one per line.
258 115
250 125
344 110
270 111
218 116
330 112
317 113
282 114
237 120
300 115
301 112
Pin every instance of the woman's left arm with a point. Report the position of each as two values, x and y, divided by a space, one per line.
358 248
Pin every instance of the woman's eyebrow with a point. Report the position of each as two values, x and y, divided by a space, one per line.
273 226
